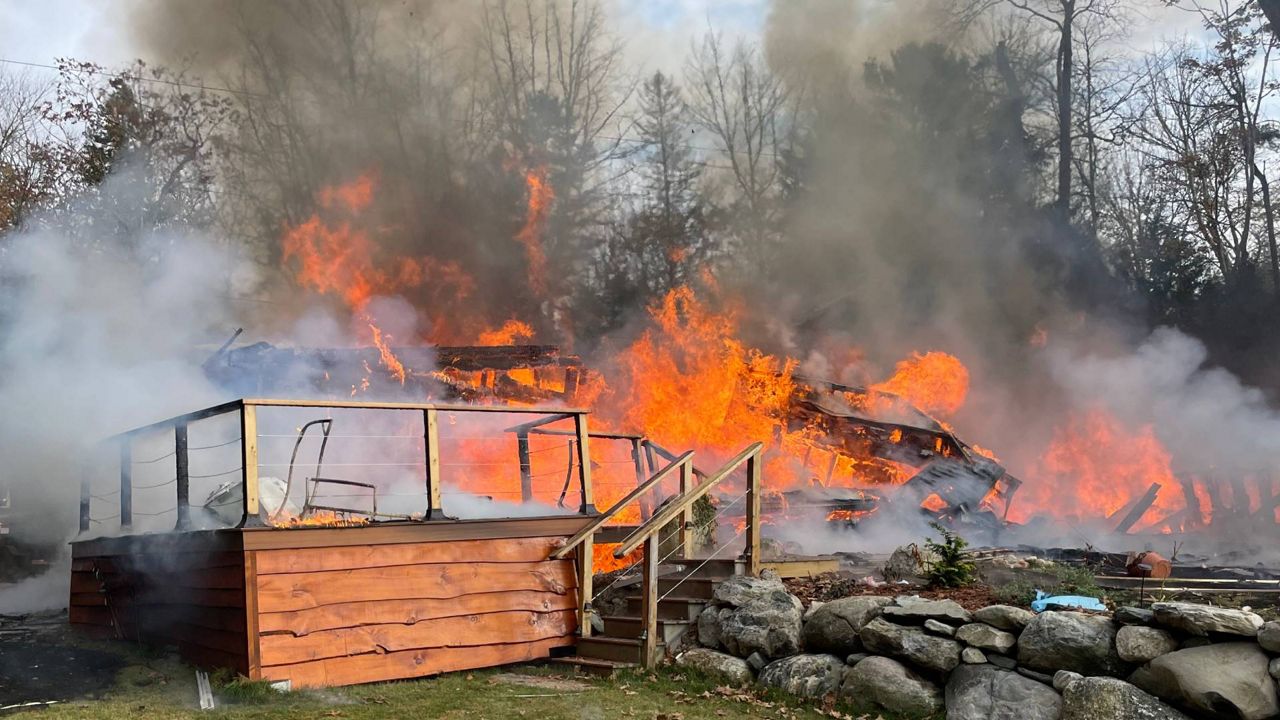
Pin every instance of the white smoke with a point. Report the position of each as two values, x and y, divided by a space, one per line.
104 328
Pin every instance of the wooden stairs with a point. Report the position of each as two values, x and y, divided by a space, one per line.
684 591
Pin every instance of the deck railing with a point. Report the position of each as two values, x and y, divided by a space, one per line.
247 410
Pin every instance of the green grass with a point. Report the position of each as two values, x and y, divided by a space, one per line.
155 688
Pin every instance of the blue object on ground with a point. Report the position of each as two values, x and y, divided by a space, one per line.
1072 602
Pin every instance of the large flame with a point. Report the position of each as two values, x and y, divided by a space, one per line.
541 197
1095 465
934 382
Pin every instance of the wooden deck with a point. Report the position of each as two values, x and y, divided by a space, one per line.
337 606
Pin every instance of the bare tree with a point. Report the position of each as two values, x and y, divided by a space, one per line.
32 163
743 104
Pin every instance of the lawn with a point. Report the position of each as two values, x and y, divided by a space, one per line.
164 688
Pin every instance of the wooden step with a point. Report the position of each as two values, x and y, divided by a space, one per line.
625 650
675 607
699 587
593 666
630 626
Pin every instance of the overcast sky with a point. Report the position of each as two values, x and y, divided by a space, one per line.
658 32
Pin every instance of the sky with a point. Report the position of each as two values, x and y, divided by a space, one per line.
658 32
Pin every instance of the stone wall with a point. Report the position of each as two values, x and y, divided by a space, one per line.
910 657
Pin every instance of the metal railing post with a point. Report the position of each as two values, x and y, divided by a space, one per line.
183 476
752 549
126 482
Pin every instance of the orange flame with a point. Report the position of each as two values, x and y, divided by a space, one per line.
511 332
935 382
1095 465
541 197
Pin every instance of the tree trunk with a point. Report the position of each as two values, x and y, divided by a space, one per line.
1271 228
1064 111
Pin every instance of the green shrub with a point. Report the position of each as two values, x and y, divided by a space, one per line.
952 567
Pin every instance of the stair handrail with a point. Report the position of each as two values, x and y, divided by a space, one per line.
669 511
606 516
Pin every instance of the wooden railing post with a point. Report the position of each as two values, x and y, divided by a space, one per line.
752 550
649 603
686 519
249 465
183 476
636 459
126 482
584 463
431 446
586 577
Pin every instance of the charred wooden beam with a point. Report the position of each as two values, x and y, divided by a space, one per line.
1136 509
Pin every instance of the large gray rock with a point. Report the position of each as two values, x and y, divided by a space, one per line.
908 562
1223 680
911 644
1269 636
939 628
716 664
985 637
1274 668
1201 620
913 609
1063 678
833 627
769 625
1130 615
884 684
985 692
1104 698
1005 617
710 621
1139 644
1061 640
739 590
972 656
811 676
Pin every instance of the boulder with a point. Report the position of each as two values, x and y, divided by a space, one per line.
985 637
811 676
908 562
1063 640
769 625
1140 644
1002 661
914 609
710 621
757 661
813 608
833 627
716 664
1269 636
1274 668
1037 676
1201 620
1005 617
885 684
1134 616
939 628
1063 678
972 656
739 590
911 644
1104 698
985 692
1224 680
855 658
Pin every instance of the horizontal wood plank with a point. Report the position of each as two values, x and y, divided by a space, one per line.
413 532
271 562
409 664
168 562
296 591
466 631
407 612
